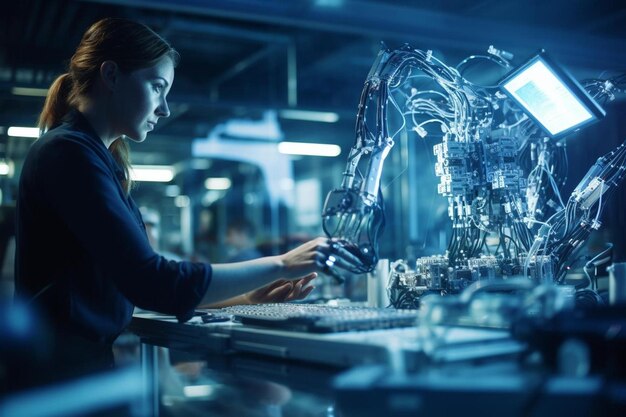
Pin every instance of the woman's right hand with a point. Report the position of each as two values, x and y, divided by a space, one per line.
305 258
316 255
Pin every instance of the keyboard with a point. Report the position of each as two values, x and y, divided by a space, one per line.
315 318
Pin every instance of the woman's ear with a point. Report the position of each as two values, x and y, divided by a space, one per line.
109 74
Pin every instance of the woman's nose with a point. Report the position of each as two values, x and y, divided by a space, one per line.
163 110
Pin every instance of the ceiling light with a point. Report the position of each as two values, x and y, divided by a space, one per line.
309 115
217 183
31 92
152 173
23 132
198 390
311 149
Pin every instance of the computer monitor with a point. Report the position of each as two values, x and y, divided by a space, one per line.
550 96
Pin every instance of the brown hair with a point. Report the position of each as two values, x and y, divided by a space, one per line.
131 45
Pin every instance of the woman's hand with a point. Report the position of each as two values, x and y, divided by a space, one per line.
319 254
304 259
281 291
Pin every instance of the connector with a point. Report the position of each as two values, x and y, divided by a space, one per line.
420 131
588 196
607 88
592 174
500 53
595 224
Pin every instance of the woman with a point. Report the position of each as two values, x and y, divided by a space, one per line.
83 257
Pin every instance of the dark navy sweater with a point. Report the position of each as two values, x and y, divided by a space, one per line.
82 241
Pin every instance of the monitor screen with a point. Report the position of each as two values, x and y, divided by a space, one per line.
551 97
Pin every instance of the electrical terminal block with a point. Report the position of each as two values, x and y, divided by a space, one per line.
504 179
451 149
592 193
486 261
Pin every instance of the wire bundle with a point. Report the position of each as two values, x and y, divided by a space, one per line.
501 175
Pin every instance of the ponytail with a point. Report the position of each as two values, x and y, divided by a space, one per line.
121 153
57 103
131 45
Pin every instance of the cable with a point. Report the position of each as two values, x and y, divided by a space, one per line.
598 260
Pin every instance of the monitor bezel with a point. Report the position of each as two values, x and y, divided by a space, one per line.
570 82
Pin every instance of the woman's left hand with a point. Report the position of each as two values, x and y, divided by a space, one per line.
281 291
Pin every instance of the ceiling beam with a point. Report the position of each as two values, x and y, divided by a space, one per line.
432 29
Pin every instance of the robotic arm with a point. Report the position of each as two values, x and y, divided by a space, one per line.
498 170
354 213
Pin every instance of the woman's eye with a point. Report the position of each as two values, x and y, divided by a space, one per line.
157 87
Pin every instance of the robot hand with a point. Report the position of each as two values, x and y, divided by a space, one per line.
354 223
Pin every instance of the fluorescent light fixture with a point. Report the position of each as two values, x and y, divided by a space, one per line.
23 132
310 149
31 92
309 115
152 173
551 97
217 183
192 391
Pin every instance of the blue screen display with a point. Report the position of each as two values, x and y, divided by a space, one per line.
547 98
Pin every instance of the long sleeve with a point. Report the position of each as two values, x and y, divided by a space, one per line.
88 199
79 235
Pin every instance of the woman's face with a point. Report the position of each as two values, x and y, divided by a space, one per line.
140 99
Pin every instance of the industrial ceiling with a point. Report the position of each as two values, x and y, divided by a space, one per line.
242 57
